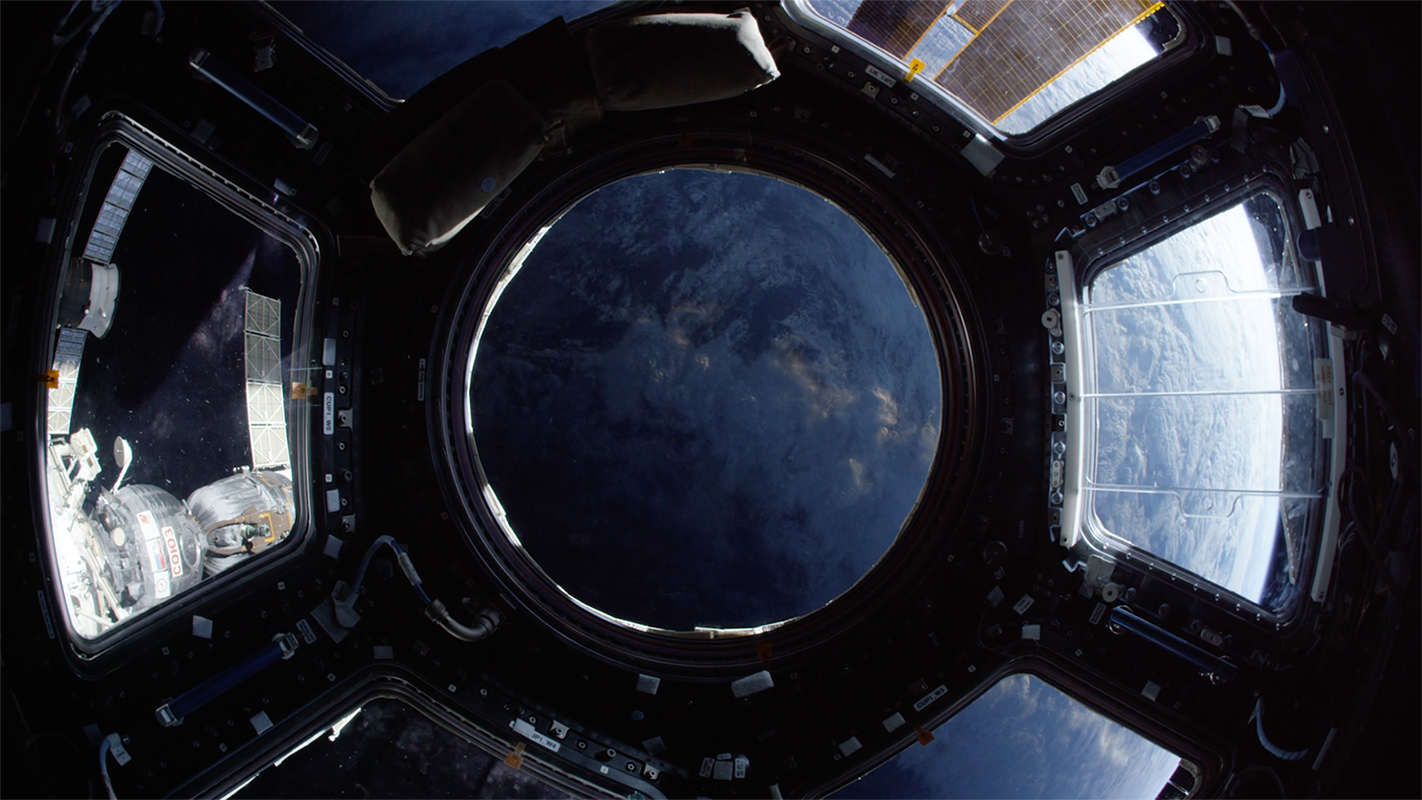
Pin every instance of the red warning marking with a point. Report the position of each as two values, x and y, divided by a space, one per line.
175 558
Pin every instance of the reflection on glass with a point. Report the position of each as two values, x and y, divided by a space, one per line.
1024 738
386 748
715 412
403 46
175 333
1014 64
1202 404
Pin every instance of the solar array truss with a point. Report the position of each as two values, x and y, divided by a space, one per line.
68 355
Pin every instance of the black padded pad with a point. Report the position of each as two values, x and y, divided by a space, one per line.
444 177
548 66
667 60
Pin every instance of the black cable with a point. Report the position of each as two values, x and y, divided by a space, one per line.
1254 32
1407 460
1348 493
485 623
1361 527
102 11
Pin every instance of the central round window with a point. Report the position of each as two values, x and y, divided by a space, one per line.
704 400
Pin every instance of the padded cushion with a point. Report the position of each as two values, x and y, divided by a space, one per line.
667 60
433 187
548 66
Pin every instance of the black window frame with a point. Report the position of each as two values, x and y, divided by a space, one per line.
1132 713
123 125
1089 542
393 681
1192 41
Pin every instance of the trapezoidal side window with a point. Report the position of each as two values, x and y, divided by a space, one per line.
1203 431
1011 66
399 72
1024 737
390 746
170 443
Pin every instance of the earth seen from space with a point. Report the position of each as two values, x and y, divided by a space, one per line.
707 399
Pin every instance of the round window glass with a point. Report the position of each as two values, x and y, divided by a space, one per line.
705 400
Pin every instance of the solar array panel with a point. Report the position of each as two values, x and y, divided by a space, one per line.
896 26
976 14
123 192
266 407
1028 44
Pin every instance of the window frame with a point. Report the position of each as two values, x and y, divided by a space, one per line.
1190 42
1077 532
851 183
371 90
392 681
139 133
513 267
1202 758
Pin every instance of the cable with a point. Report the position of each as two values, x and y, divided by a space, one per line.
62 22
974 205
103 10
1274 62
485 622
1249 25
1275 750
365 561
1408 461
1363 528
104 746
406 566
1279 104
158 22
61 39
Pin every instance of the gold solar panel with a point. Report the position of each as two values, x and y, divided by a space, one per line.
976 14
896 26
1027 44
